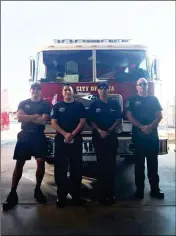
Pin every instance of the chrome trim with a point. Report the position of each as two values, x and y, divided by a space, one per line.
94 65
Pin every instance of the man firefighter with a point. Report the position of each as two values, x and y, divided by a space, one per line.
33 113
68 118
144 112
105 116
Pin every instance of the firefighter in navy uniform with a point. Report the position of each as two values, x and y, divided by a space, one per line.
68 118
34 114
105 116
144 112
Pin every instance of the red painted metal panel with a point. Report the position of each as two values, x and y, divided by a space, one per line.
52 91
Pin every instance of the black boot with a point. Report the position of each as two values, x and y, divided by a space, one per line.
103 200
11 201
61 203
78 201
111 201
39 196
139 194
157 194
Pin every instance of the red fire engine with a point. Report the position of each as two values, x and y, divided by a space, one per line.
84 63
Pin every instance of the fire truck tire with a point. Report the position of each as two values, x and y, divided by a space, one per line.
129 160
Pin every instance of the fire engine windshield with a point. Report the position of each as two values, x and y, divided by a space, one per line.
68 66
78 65
122 65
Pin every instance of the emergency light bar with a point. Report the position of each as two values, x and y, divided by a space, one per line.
70 41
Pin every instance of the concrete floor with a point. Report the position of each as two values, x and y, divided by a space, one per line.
127 217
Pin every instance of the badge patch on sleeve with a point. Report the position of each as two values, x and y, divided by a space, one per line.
127 104
52 112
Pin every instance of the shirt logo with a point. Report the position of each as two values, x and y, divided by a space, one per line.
112 110
127 104
138 103
61 109
98 110
27 106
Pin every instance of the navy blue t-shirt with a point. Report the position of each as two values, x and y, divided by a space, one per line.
143 109
68 115
30 108
104 114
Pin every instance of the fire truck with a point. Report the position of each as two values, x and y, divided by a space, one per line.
84 63
5 119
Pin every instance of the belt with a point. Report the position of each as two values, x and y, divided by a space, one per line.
32 131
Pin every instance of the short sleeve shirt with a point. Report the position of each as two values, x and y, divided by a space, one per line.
104 115
30 108
68 115
143 108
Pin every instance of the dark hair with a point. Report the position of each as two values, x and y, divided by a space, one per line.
66 84
36 85
69 85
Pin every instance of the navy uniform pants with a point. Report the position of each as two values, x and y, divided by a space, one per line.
106 151
68 157
146 147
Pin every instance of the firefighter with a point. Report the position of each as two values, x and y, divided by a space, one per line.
144 112
105 116
68 118
33 113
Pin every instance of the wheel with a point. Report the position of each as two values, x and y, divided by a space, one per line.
129 160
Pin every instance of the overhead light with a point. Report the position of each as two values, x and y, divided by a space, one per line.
70 41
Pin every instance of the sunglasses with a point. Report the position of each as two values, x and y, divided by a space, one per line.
103 88
36 89
142 84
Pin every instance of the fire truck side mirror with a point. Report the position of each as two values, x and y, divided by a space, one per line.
155 69
32 70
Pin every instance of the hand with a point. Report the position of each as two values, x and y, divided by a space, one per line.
147 129
103 134
141 127
37 116
68 137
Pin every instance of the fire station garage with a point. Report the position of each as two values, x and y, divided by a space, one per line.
127 217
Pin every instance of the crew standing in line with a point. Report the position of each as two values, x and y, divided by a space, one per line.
105 115
144 112
33 113
68 119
